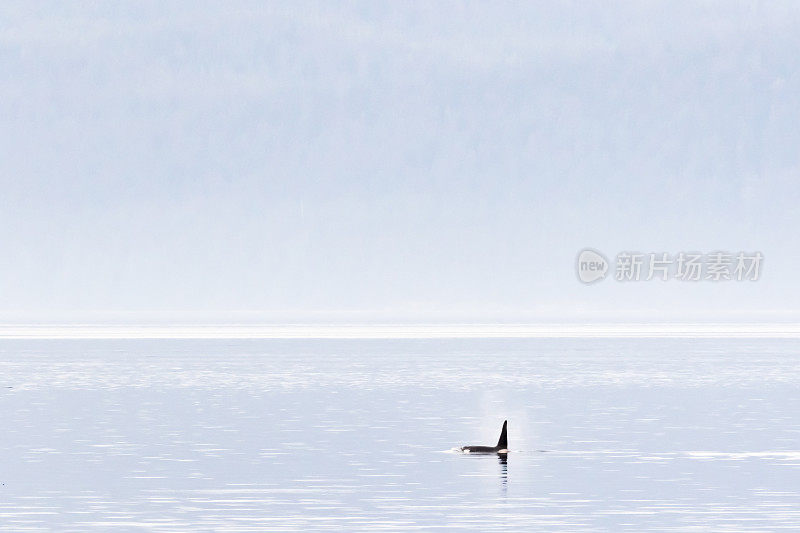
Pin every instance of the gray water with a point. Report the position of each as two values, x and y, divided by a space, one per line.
228 435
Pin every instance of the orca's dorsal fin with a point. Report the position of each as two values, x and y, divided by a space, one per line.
502 444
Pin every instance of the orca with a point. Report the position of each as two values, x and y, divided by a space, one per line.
501 448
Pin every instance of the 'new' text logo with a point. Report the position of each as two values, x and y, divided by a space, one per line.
592 266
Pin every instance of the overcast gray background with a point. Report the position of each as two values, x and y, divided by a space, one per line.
392 161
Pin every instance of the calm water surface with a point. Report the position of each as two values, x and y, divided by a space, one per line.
605 434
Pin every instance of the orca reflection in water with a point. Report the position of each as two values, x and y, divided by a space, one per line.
501 448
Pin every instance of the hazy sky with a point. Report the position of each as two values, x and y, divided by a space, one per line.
381 161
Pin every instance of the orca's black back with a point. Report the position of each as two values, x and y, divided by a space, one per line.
479 449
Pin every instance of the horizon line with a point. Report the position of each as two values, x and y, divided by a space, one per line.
399 331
